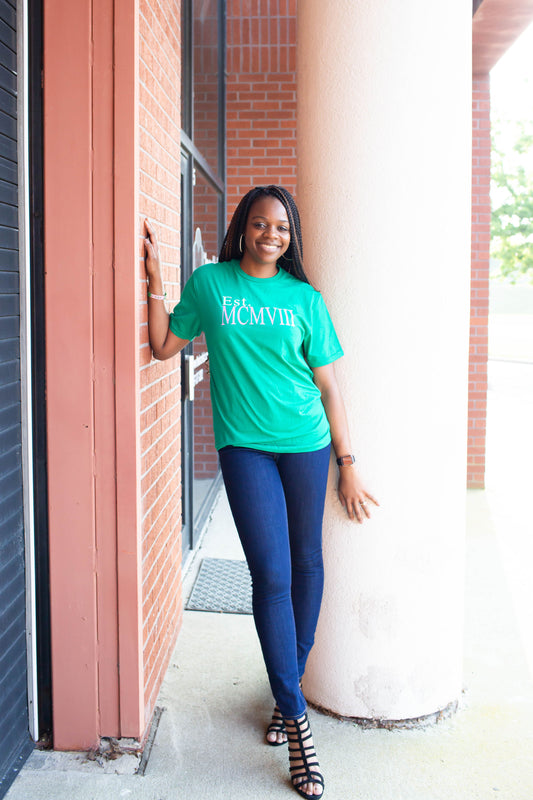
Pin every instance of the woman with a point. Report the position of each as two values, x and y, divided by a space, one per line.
276 411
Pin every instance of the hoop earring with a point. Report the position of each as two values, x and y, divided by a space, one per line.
240 243
284 257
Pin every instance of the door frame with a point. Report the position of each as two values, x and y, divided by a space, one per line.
38 502
27 368
187 444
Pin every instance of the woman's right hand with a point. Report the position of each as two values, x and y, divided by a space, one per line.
163 342
151 251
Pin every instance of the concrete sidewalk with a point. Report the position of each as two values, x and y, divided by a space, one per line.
210 740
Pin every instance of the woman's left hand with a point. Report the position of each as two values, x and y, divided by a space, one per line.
353 495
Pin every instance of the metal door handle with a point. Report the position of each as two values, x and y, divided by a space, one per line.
191 376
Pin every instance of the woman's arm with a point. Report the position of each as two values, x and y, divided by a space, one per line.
352 494
163 342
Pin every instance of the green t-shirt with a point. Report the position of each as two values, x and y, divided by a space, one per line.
263 336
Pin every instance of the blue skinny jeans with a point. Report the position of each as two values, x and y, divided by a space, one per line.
277 502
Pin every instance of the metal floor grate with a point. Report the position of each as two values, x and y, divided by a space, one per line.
222 585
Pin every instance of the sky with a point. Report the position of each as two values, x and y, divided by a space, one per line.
511 88
511 80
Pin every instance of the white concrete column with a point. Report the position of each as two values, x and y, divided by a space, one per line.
384 187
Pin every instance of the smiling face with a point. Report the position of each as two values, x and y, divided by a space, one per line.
266 236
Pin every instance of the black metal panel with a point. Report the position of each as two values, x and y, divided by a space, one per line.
15 742
38 346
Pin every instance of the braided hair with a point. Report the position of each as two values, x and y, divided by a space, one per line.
292 260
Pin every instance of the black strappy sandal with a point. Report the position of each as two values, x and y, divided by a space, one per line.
276 726
307 771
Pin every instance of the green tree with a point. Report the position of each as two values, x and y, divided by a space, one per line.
512 199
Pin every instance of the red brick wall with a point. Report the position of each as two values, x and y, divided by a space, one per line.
261 95
479 310
159 179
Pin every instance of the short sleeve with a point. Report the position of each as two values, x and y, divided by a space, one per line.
321 344
185 319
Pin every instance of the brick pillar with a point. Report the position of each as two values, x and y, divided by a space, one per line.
479 298
159 64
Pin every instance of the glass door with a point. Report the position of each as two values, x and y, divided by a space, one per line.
202 229
200 243
205 249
